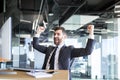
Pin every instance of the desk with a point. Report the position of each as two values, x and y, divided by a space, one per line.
59 75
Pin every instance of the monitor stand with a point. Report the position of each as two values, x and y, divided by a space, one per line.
7 73
4 70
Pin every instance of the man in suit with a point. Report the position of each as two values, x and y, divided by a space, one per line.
64 54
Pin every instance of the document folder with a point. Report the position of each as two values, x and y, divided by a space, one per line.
40 74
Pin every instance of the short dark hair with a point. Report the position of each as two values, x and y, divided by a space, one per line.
59 28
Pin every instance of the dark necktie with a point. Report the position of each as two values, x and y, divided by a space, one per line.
52 59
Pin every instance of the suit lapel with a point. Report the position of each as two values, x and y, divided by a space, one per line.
61 52
60 59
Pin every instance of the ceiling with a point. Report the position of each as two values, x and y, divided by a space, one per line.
53 12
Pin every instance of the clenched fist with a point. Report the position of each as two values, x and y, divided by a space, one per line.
40 30
90 29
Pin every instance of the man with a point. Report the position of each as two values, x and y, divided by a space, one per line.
64 54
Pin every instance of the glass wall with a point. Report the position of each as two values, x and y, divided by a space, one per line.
104 61
23 55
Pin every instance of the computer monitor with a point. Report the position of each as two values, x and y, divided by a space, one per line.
6 40
6 44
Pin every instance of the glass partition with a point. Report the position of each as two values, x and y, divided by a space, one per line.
104 61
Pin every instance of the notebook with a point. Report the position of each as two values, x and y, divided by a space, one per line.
39 74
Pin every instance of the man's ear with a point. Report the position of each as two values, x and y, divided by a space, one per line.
65 36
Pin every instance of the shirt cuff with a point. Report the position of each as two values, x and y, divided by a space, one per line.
91 36
36 35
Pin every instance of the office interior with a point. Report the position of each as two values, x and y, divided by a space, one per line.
74 16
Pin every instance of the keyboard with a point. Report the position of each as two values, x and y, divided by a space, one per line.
26 69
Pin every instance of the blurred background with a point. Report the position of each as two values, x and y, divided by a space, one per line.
74 16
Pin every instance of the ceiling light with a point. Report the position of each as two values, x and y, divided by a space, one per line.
117 6
118 15
21 20
23 35
109 21
50 14
117 11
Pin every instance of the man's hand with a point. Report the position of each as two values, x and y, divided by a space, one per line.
90 29
40 30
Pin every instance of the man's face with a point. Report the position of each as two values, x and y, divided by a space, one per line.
59 37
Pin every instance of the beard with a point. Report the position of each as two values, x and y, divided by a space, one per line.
57 41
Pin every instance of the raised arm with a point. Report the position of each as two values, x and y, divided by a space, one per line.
77 52
36 40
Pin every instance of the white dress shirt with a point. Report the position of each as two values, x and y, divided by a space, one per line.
56 67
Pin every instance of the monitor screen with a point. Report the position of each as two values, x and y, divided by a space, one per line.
6 40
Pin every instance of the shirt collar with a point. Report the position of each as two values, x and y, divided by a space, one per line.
60 45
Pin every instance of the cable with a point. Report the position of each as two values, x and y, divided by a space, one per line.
35 22
40 10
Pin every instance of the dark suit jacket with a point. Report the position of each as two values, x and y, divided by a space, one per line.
67 53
